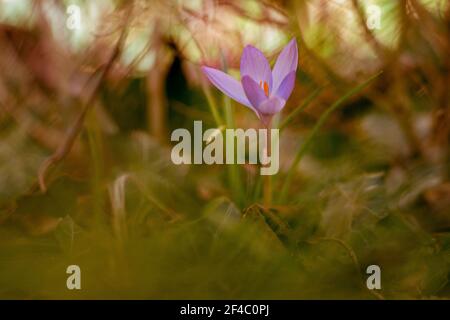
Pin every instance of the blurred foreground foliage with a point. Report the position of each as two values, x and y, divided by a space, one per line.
373 187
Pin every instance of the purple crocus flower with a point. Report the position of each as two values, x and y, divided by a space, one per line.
263 90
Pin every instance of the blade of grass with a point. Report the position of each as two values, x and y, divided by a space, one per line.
97 171
320 122
212 104
300 108
234 174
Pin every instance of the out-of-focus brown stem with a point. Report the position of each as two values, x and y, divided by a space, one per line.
376 45
441 116
73 132
401 115
156 79
329 75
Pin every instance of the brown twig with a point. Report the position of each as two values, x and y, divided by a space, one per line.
73 132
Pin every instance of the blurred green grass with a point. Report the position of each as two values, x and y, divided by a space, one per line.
371 187
211 249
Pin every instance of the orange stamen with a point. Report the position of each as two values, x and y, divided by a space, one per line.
265 87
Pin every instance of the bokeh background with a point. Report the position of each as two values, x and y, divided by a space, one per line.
91 90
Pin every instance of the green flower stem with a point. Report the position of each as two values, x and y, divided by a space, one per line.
268 178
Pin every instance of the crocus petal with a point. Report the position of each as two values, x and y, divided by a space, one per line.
255 65
253 91
286 62
271 106
227 84
286 86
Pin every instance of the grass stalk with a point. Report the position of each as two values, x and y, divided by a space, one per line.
234 174
302 150
301 107
212 105
94 138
